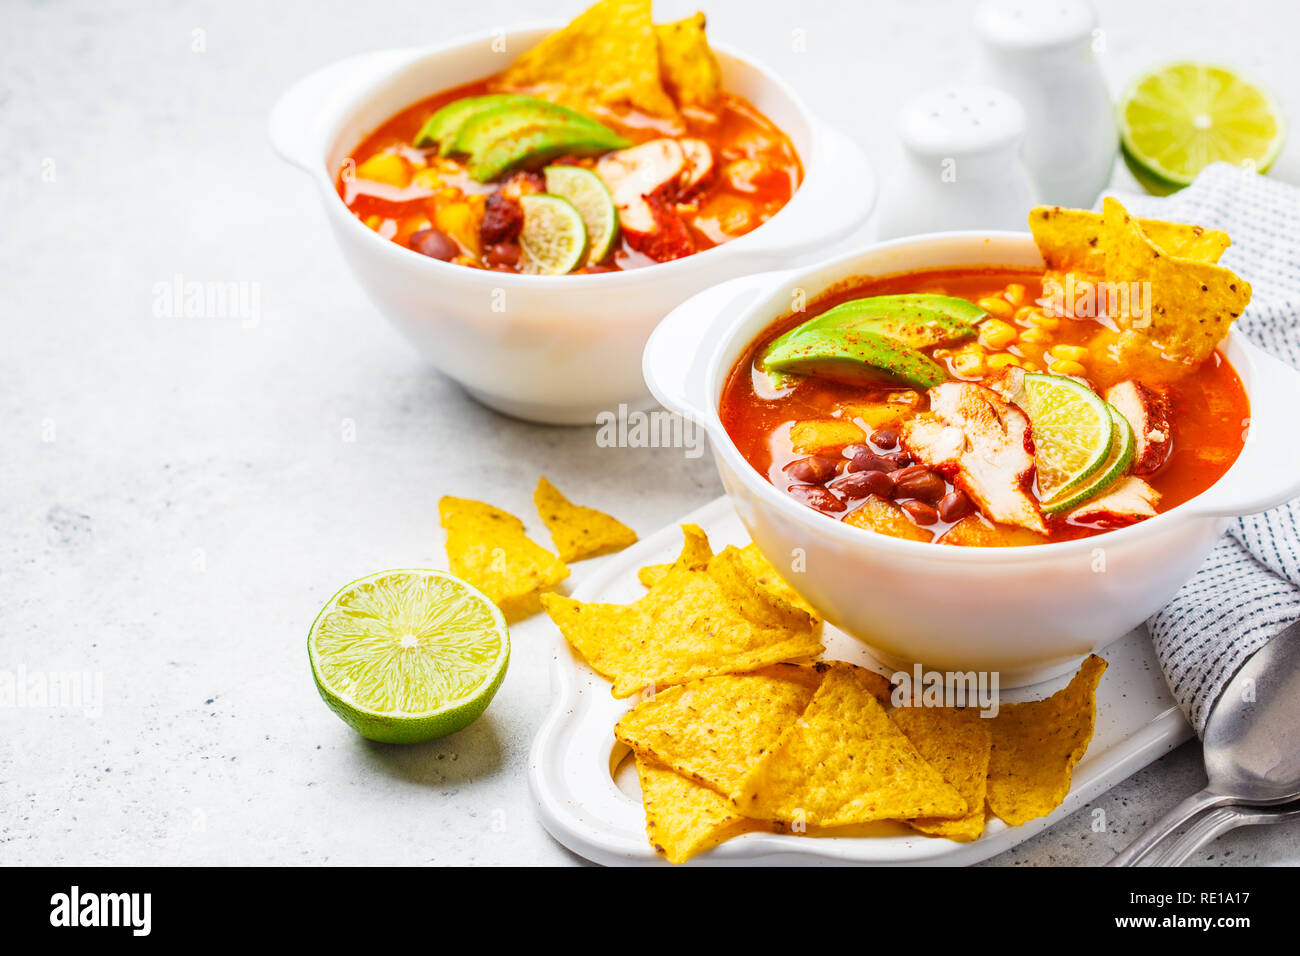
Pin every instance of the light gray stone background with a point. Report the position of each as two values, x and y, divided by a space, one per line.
178 497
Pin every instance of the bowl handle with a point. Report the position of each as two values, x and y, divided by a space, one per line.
1267 473
298 117
676 360
837 195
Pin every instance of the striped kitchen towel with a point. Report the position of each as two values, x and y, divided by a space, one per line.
1249 587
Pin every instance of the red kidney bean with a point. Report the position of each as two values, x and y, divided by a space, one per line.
503 254
859 484
917 482
817 497
885 438
434 244
920 512
814 469
868 460
955 506
899 459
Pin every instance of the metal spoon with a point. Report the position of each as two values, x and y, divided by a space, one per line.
1252 742
1217 822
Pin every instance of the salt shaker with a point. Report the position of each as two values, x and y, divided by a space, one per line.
960 166
1041 52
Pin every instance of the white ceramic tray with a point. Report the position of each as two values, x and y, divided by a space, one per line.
585 784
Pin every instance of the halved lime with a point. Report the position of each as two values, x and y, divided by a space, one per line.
1177 120
408 656
589 196
554 238
1112 469
1072 431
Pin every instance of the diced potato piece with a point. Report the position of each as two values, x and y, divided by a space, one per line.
883 516
817 435
978 532
427 178
457 220
386 168
874 414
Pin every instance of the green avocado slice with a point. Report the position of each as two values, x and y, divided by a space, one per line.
854 356
918 321
441 128
485 128
539 144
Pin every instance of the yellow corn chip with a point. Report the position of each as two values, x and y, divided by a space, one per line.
488 548
1037 744
1192 304
956 742
608 55
683 818
682 629
715 730
689 70
579 532
754 586
695 556
769 580
845 762
1071 239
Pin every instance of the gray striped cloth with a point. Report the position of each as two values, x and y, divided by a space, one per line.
1249 587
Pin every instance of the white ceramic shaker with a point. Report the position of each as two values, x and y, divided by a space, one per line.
1042 53
960 166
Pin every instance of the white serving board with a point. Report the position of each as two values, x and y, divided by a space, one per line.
587 795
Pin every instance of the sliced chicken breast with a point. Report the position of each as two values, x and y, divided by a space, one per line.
983 445
645 181
1148 412
1128 500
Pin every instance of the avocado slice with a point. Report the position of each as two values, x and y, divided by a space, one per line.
540 144
854 356
918 321
442 126
484 128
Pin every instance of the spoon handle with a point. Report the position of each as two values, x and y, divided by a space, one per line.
1166 825
1209 826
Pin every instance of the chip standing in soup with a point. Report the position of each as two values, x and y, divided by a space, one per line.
996 407
610 145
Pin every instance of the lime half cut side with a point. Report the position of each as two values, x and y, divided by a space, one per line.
1117 462
588 194
408 656
554 237
1177 120
1072 431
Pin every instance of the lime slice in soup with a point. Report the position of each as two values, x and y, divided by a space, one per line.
1177 120
408 656
553 240
589 196
1112 469
1072 429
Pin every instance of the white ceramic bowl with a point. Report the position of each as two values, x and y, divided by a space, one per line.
555 349
1028 613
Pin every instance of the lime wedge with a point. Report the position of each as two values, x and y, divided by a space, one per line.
554 238
1072 431
1112 470
1177 120
589 196
408 656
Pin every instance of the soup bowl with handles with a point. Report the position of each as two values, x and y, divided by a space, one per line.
1027 613
556 349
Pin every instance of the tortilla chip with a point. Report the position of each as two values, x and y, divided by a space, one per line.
957 743
845 762
754 586
695 556
488 548
1071 239
609 55
682 818
579 532
715 730
687 66
1037 744
684 628
1192 304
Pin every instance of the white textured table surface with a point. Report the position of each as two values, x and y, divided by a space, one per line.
178 497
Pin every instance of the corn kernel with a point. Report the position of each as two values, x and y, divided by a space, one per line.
374 222
996 305
1066 368
968 365
1031 367
1036 336
1049 322
1069 353
996 335
1004 360
1014 293
386 168
427 179
1025 314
